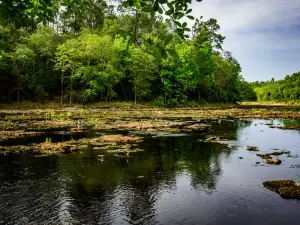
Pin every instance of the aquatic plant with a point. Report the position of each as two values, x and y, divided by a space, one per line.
82 112
48 140
69 115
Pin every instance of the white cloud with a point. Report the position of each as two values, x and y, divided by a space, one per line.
255 30
236 15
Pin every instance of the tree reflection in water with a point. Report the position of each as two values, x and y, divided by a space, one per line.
82 189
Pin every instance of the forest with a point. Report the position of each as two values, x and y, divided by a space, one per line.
285 90
84 51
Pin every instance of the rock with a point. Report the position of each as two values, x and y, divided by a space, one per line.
276 184
264 156
252 148
123 153
270 160
211 139
286 188
195 127
240 157
289 127
279 153
295 166
290 192
23 125
274 161
118 138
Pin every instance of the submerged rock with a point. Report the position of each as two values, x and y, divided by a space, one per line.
264 156
252 148
286 188
295 166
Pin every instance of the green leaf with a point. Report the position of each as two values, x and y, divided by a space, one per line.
170 12
157 53
156 6
191 17
173 53
148 9
160 10
187 29
180 15
168 39
170 5
130 2
184 24
188 11
177 23
186 36
163 1
164 53
29 10
125 4
137 4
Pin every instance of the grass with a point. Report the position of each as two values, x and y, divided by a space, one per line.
48 140
272 103
104 105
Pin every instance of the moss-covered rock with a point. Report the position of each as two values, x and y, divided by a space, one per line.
276 184
274 161
286 188
264 156
290 192
252 148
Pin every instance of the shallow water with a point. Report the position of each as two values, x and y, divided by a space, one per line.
178 179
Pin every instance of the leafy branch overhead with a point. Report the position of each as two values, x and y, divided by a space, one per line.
176 10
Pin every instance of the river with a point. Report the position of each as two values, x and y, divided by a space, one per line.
177 179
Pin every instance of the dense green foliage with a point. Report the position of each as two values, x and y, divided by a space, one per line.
287 89
87 51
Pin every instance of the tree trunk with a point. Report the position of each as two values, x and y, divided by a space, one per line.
18 88
135 93
71 89
165 98
106 96
62 89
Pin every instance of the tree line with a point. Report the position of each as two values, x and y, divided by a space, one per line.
80 51
284 90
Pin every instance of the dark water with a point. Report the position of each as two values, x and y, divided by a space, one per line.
176 180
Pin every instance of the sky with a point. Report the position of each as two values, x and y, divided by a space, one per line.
263 35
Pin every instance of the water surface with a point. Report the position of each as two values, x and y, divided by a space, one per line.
178 179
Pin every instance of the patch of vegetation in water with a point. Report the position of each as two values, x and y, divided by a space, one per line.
285 188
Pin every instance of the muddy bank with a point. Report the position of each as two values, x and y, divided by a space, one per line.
19 123
13 134
115 142
289 127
